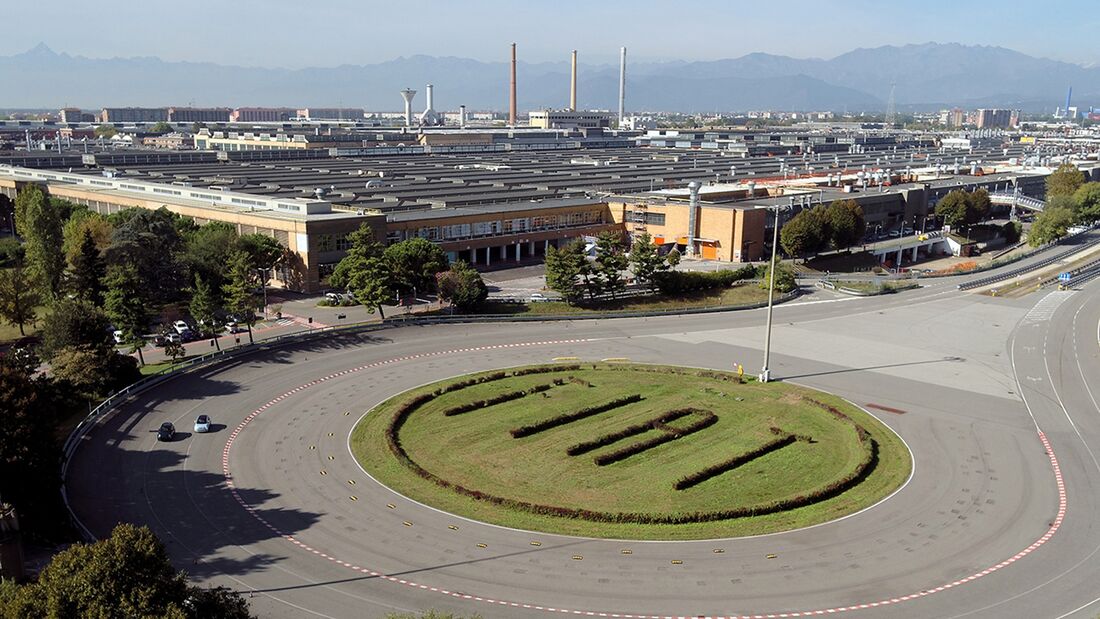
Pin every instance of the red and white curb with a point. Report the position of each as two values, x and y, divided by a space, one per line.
588 613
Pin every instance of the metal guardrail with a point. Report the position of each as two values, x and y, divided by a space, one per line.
1082 274
1000 277
108 405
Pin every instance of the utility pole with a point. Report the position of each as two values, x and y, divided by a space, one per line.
765 373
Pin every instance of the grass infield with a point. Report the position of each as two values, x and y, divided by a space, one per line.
631 451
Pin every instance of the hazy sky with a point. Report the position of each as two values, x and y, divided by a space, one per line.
300 33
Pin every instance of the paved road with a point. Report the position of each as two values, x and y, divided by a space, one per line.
976 378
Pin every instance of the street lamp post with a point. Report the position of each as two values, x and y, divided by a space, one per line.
765 372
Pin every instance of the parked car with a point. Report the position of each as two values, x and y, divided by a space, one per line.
538 297
166 432
180 326
233 327
175 338
202 424
117 335
893 234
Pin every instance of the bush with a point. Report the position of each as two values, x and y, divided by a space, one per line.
561 420
699 477
614 437
1011 232
499 399
679 282
669 434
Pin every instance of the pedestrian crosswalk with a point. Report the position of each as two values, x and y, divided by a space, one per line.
1045 308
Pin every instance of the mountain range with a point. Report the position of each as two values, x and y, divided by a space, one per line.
925 76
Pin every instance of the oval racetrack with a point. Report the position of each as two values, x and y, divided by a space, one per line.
995 398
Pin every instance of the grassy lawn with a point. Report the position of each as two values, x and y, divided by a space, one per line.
744 294
152 368
876 287
10 332
476 450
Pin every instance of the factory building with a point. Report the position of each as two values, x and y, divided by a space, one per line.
262 114
198 114
134 115
330 113
570 119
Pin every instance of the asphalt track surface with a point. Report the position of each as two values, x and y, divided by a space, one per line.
996 398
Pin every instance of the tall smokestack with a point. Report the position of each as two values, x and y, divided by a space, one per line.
622 85
1069 95
573 85
462 116
431 100
512 100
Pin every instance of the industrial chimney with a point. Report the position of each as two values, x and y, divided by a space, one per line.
462 116
512 100
622 85
431 100
573 85
408 95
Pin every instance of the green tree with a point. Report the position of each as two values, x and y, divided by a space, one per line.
645 260
1011 232
172 347
93 372
673 257
127 305
206 251
150 241
784 277
240 291
954 208
462 286
11 252
263 251
41 229
563 269
1064 181
19 298
413 264
979 205
106 131
846 223
803 234
74 322
87 271
1050 225
364 272
30 409
610 263
126 575
161 127
81 222
206 308
1087 202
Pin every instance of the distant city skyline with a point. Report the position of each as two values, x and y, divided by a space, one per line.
370 32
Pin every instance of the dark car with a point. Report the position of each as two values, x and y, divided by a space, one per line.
166 432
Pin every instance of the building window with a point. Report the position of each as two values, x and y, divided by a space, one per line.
326 242
342 243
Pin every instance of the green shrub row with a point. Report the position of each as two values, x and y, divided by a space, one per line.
677 282
835 412
561 420
500 399
627 432
716 375
668 434
543 369
470 382
700 476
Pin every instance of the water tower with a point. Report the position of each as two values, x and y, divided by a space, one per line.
408 95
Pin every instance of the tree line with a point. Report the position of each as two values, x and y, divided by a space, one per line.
1069 201
839 225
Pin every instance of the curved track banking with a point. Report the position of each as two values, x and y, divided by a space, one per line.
991 395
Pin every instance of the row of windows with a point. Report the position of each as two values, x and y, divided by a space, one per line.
500 227
331 242
655 219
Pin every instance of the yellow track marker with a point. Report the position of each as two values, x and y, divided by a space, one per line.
482 546
536 543
353 498
391 506
770 556
677 562
324 472
627 551
351 481
578 558
407 523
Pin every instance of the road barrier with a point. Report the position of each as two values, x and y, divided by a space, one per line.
1000 277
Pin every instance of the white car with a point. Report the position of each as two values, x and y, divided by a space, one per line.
233 327
202 424
117 335
175 338
538 297
181 327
